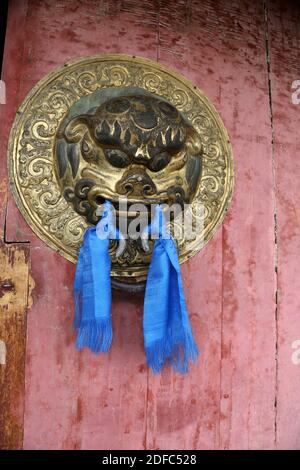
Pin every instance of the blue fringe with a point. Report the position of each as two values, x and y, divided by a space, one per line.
173 350
95 334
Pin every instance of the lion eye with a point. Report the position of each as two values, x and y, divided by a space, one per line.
88 151
159 162
85 147
117 158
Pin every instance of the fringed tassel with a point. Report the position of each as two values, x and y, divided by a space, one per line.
92 291
95 335
174 350
168 335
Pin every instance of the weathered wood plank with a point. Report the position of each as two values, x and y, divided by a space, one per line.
284 56
13 49
13 305
248 368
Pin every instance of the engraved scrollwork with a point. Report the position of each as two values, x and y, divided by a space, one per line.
116 75
74 229
180 98
151 82
202 122
88 82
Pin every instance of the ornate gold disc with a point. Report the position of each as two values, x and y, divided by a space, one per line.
32 150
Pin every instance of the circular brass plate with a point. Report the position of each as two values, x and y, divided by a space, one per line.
30 150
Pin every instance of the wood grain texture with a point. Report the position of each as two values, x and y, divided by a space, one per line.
248 368
284 56
221 47
13 304
13 49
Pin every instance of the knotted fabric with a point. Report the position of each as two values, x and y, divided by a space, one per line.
168 337
92 289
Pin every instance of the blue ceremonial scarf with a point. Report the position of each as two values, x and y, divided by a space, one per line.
168 337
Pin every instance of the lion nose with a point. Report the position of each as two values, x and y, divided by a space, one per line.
136 183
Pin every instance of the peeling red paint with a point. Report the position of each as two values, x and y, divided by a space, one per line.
13 302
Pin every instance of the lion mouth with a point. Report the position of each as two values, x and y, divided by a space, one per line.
131 208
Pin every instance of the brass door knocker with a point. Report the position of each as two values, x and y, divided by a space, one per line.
122 129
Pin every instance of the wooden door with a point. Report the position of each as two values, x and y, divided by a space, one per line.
242 288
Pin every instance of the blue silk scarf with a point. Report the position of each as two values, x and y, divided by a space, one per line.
168 337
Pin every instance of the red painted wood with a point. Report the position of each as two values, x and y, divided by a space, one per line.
240 394
13 303
285 68
13 48
249 280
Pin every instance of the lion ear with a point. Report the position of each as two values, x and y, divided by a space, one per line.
193 143
76 128
73 141
194 162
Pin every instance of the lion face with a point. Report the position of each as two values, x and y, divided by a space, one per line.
135 147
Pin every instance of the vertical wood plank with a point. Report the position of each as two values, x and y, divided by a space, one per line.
14 262
248 369
284 56
13 304
10 75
